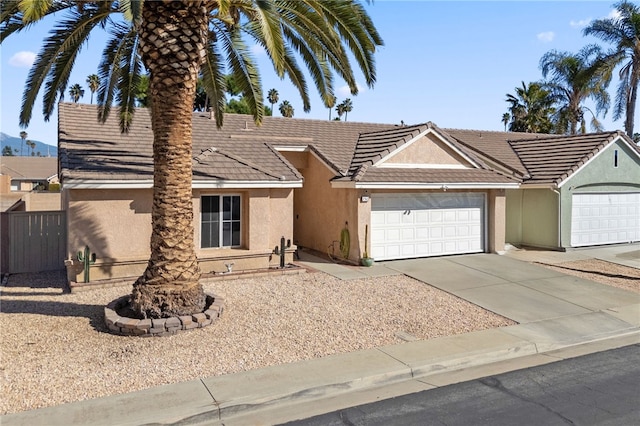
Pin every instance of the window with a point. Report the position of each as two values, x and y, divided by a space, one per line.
220 221
615 158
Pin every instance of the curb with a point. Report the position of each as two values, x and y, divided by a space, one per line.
263 396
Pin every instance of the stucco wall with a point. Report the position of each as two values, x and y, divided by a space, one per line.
600 175
42 201
116 225
540 218
428 149
320 212
513 228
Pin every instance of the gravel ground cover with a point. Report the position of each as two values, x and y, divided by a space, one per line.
609 273
55 347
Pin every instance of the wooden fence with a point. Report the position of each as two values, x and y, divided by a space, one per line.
33 241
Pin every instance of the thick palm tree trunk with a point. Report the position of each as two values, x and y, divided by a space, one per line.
172 43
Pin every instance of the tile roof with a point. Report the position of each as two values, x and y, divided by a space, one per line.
243 151
553 159
374 146
29 168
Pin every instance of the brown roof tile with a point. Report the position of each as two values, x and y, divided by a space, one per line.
553 159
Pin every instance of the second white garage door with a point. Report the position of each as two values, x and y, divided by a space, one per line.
420 225
605 218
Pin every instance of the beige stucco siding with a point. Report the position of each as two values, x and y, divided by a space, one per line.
321 212
116 225
428 150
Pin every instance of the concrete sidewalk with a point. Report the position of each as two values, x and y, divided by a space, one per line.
559 317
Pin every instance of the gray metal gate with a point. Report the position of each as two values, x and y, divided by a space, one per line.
36 241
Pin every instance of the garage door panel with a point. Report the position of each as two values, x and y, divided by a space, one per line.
430 225
605 218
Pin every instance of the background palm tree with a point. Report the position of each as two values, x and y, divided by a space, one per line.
23 136
286 109
93 81
331 102
31 145
177 43
574 78
340 110
506 117
273 97
347 107
531 110
623 32
76 92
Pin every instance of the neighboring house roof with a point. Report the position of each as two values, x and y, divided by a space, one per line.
553 159
29 168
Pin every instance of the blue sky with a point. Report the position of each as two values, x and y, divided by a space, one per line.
451 63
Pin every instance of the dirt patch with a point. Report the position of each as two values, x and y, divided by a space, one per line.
600 271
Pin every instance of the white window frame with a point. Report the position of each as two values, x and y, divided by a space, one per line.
221 222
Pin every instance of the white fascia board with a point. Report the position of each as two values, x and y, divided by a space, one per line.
412 141
418 185
538 186
421 166
239 184
147 184
606 148
291 148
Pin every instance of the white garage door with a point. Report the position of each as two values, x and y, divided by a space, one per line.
420 225
605 218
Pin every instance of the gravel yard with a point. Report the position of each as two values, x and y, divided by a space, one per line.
612 274
55 348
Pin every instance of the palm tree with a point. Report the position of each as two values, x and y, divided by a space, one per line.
286 109
506 117
32 145
76 92
23 136
273 97
176 43
531 110
348 107
331 102
93 81
623 32
340 110
573 78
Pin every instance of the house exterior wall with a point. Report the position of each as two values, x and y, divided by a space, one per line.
42 201
116 225
532 218
5 184
321 212
428 148
600 175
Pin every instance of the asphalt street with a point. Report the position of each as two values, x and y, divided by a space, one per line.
597 389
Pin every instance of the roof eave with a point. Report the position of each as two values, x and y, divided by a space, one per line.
422 185
196 184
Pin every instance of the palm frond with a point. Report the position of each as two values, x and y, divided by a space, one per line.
213 80
55 61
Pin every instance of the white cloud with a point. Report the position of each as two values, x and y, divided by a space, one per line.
22 59
580 23
546 37
344 91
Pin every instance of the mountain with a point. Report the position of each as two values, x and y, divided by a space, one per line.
15 143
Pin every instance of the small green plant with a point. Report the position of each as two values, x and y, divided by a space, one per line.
87 260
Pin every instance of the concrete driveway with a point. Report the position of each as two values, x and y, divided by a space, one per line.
516 289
